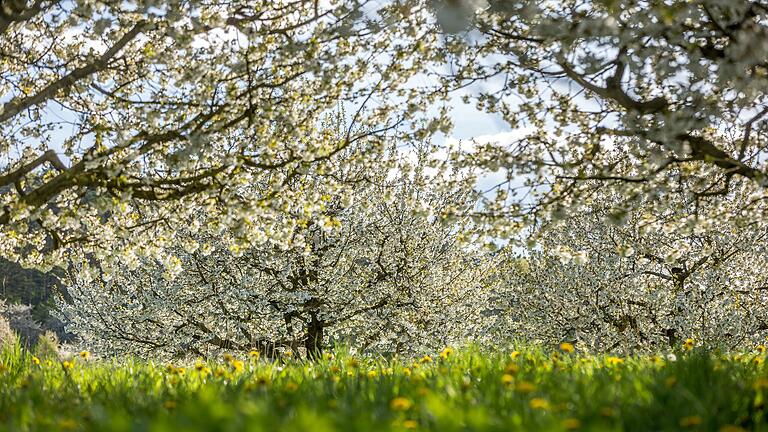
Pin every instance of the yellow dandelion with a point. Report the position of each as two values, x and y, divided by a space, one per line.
525 387
514 354
446 352
35 360
199 366
688 344
372 374
353 363
690 421
607 412
507 379
85 355
757 360
539 403
571 424
567 347
228 358
410 424
511 368
67 424
400 404
329 356
254 354
760 349
66 364
407 371
670 381
731 428
613 361
426 359
761 384
238 365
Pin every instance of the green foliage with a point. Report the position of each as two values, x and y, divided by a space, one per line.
47 346
7 334
533 389
26 286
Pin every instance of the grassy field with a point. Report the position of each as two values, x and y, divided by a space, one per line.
531 389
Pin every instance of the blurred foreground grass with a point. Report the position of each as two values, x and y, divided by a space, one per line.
531 389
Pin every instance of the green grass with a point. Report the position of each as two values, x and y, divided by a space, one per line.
534 390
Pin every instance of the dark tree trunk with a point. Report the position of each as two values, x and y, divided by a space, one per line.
314 340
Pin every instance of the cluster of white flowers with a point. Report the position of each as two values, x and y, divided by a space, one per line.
170 156
645 287
386 277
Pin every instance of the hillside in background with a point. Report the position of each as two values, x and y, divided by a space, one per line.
31 287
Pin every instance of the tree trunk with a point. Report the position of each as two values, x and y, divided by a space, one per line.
314 340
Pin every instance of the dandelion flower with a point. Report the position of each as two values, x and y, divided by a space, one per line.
688 344
566 347
410 424
731 428
35 360
507 379
539 403
690 421
571 424
238 365
761 384
400 404
525 387
446 352
85 355
670 381
426 359
254 354
67 424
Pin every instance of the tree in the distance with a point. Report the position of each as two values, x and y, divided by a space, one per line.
638 283
379 270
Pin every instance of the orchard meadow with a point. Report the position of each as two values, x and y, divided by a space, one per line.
534 215
468 390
